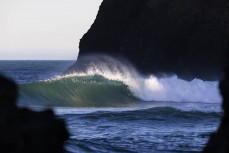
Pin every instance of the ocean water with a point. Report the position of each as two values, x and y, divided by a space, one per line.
111 110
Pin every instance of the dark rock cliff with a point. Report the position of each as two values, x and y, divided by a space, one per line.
185 37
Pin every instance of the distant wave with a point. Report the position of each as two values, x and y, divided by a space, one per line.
113 83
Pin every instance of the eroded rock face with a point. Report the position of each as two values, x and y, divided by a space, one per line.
26 131
185 37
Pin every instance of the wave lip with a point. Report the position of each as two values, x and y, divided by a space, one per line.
112 83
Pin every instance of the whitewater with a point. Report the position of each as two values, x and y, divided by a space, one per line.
110 107
109 81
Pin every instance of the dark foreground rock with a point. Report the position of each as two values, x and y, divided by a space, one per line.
186 37
219 141
26 131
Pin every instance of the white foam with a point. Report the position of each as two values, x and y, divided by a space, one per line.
151 88
178 90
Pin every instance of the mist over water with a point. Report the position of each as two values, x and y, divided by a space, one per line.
150 88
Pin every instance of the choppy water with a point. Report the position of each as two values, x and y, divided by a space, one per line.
108 110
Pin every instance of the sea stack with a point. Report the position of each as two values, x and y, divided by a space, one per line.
188 38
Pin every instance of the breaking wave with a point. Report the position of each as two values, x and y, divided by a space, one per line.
113 83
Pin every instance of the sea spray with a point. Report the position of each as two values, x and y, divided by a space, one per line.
147 88
177 90
112 83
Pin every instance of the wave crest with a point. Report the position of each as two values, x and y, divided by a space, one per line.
109 82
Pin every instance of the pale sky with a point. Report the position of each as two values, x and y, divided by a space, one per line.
44 29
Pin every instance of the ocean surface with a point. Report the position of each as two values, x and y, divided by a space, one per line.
116 110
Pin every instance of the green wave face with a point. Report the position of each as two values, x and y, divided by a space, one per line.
101 81
77 91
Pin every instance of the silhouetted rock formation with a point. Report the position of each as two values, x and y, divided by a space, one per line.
25 131
185 37
219 141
